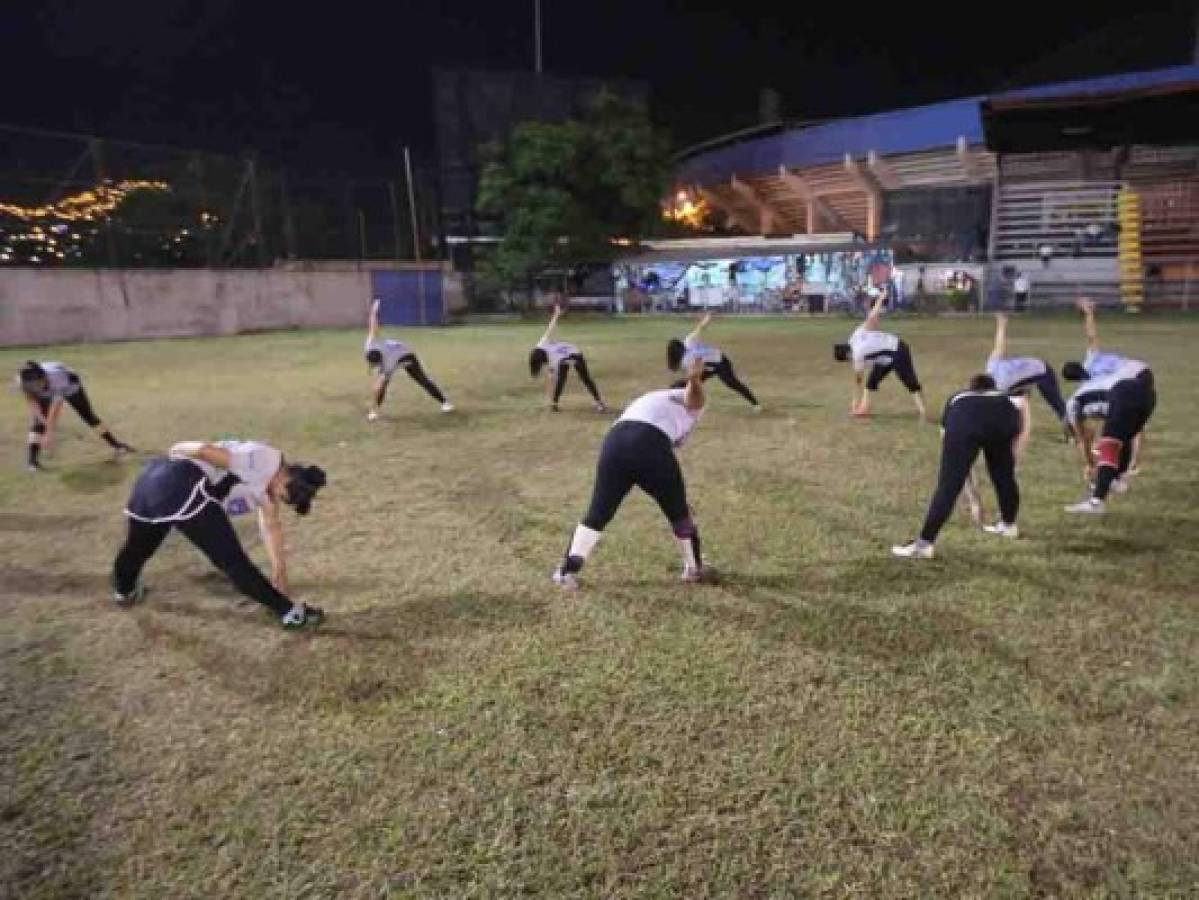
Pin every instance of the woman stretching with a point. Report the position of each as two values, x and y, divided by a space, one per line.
196 489
716 362
883 353
46 386
1016 375
556 358
384 357
639 451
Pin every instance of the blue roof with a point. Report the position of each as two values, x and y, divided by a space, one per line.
900 131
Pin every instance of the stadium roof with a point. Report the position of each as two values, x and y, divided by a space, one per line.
901 131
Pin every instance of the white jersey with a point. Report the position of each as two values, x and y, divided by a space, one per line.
1100 362
1009 371
392 351
872 347
696 348
557 351
253 463
61 381
666 412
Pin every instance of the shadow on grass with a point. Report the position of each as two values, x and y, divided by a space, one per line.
96 477
61 524
353 662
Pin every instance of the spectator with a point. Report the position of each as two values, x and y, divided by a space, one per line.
1020 289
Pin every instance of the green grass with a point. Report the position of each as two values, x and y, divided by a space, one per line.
1011 719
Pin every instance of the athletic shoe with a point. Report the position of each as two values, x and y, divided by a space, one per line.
917 549
568 581
1121 485
302 616
122 450
601 408
447 406
1088 507
1003 530
371 416
757 407
554 407
702 575
34 467
136 595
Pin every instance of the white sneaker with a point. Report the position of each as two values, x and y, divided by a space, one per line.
702 575
1003 530
372 416
915 550
568 581
601 407
1121 485
1088 507
758 408
447 406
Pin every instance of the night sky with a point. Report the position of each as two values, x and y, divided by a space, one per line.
343 85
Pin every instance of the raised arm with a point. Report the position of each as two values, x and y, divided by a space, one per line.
699 327
209 453
372 324
549 329
271 529
1000 348
693 394
876 313
1086 306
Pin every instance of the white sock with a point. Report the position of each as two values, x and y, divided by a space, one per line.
584 541
687 548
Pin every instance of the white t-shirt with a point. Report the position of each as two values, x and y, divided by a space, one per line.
1021 285
1100 362
556 351
254 463
60 381
666 412
694 347
393 352
871 346
1012 370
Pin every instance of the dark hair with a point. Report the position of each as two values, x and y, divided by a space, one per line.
982 383
374 358
674 354
302 484
840 352
1073 371
681 383
537 360
31 372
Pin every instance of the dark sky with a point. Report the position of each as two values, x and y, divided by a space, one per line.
342 85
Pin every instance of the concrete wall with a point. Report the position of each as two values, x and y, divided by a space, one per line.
51 306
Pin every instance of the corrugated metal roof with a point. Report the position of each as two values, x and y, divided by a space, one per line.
900 131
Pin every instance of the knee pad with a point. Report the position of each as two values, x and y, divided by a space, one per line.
1109 452
684 529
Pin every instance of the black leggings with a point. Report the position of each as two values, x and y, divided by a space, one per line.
637 454
77 401
903 366
725 372
213 533
1046 384
416 372
957 458
580 364
1130 404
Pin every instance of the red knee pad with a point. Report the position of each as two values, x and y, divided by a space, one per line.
1109 452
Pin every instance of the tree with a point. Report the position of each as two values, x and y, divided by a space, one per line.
563 193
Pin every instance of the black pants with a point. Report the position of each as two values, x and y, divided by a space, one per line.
580 364
77 401
212 532
416 372
1047 385
1131 402
978 425
727 375
637 454
903 367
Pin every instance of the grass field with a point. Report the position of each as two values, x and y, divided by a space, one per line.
1011 719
